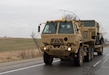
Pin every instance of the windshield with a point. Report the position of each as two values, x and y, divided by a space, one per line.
89 24
65 28
50 28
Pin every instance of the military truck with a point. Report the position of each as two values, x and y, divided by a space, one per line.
91 34
70 39
92 38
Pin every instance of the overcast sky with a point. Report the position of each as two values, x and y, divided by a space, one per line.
19 18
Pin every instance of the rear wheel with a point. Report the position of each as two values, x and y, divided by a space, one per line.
101 51
47 59
92 53
88 56
78 60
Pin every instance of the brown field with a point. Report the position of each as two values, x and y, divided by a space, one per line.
12 49
12 44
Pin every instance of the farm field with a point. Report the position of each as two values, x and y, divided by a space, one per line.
10 44
12 49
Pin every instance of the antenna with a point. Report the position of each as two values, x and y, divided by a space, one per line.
63 11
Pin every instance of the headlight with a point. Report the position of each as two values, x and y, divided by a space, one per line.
69 49
45 48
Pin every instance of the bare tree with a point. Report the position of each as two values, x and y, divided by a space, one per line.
35 40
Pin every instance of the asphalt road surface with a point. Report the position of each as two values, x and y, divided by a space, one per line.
99 66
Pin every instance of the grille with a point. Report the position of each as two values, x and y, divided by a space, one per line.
57 41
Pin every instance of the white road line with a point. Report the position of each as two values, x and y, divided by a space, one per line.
97 63
24 68
104 59
106 56
21 69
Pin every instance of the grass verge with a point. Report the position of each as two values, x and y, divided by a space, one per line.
12 49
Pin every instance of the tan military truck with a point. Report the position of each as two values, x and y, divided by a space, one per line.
70 39
91 35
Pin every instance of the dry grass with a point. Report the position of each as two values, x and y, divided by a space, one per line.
19 55
12 49
12 44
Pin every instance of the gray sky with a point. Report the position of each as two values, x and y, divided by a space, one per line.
19 18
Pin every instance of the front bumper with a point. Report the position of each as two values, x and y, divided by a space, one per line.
59 50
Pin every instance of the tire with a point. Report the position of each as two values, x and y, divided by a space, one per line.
97 40
92 53
47 59
63 59
78 61
88 56
100 53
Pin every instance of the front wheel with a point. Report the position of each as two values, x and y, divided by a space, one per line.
78 60
47 59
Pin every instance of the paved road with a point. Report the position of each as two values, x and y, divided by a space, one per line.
99 66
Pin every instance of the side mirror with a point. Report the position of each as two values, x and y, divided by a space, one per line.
38 28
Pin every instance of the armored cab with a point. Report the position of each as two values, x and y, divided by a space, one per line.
62 39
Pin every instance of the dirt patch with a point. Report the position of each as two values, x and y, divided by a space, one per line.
19 55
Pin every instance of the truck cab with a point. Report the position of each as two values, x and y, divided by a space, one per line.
61 39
